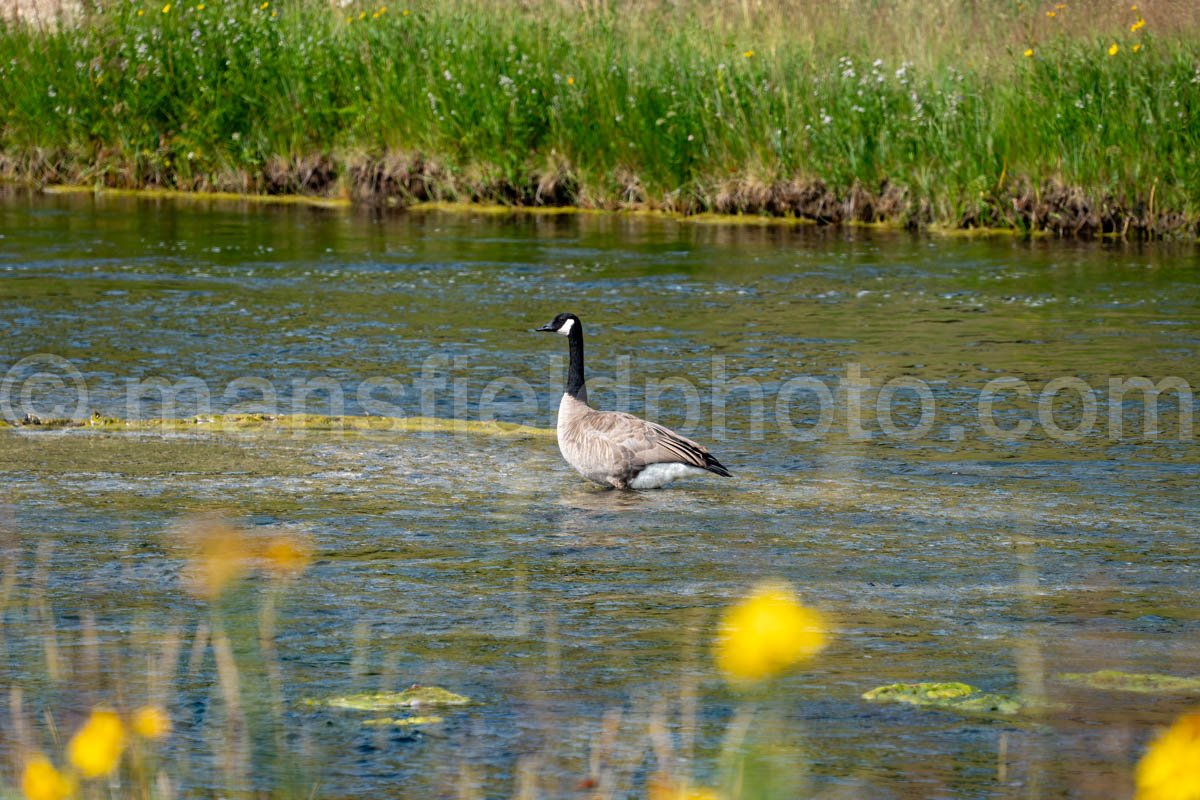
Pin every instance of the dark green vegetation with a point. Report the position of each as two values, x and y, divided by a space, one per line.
984 114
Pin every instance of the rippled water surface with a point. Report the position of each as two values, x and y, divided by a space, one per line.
484 565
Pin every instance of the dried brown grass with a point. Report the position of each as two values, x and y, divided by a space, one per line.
403 179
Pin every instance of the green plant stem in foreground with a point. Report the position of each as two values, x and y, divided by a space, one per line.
489 103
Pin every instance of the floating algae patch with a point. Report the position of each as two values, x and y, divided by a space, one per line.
403 722
288 422
497 209
413 697
953 696
225 197
1147 683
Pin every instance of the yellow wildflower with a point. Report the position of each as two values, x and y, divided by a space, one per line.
1170 769
363 15
41 781
1137 47
264 5
1137 26
166 8
200 7
570 81
1029 53
1051 14
1113 49
766 633
151 722
661 787
404 13
286 555
218 555
141 12
1133 8
748 54
96 748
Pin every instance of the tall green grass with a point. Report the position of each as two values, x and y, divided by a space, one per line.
676 105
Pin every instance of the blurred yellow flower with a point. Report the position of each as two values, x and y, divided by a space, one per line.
286 555
1060 6
140 12
1029 53
200 7
1170 769
748 54
1051 14
1137 26
264 6
1137 47
363 15
661 787
1113 49
151 722
41 781
96 748
570 81
166 8
766 633
404 13
219 555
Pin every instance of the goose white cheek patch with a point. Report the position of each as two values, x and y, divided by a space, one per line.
565 330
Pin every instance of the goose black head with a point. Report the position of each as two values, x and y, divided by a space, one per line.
563 323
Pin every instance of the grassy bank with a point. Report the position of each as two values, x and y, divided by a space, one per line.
1075 118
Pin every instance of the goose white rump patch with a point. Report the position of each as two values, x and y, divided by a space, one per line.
657 475
565 330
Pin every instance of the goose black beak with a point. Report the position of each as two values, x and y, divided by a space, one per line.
547 328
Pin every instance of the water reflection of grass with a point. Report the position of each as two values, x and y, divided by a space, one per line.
898 110
117 700
105 730
99 717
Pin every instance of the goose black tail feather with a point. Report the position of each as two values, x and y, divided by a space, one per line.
688 451
714 466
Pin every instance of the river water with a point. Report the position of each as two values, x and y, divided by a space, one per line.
1052 532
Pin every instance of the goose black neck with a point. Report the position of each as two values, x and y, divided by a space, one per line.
575 383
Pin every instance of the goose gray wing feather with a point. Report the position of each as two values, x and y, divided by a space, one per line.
643 443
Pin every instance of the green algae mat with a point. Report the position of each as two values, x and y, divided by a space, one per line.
312 422
413 698
951 696
1146 683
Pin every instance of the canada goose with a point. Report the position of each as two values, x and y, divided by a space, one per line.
616 449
